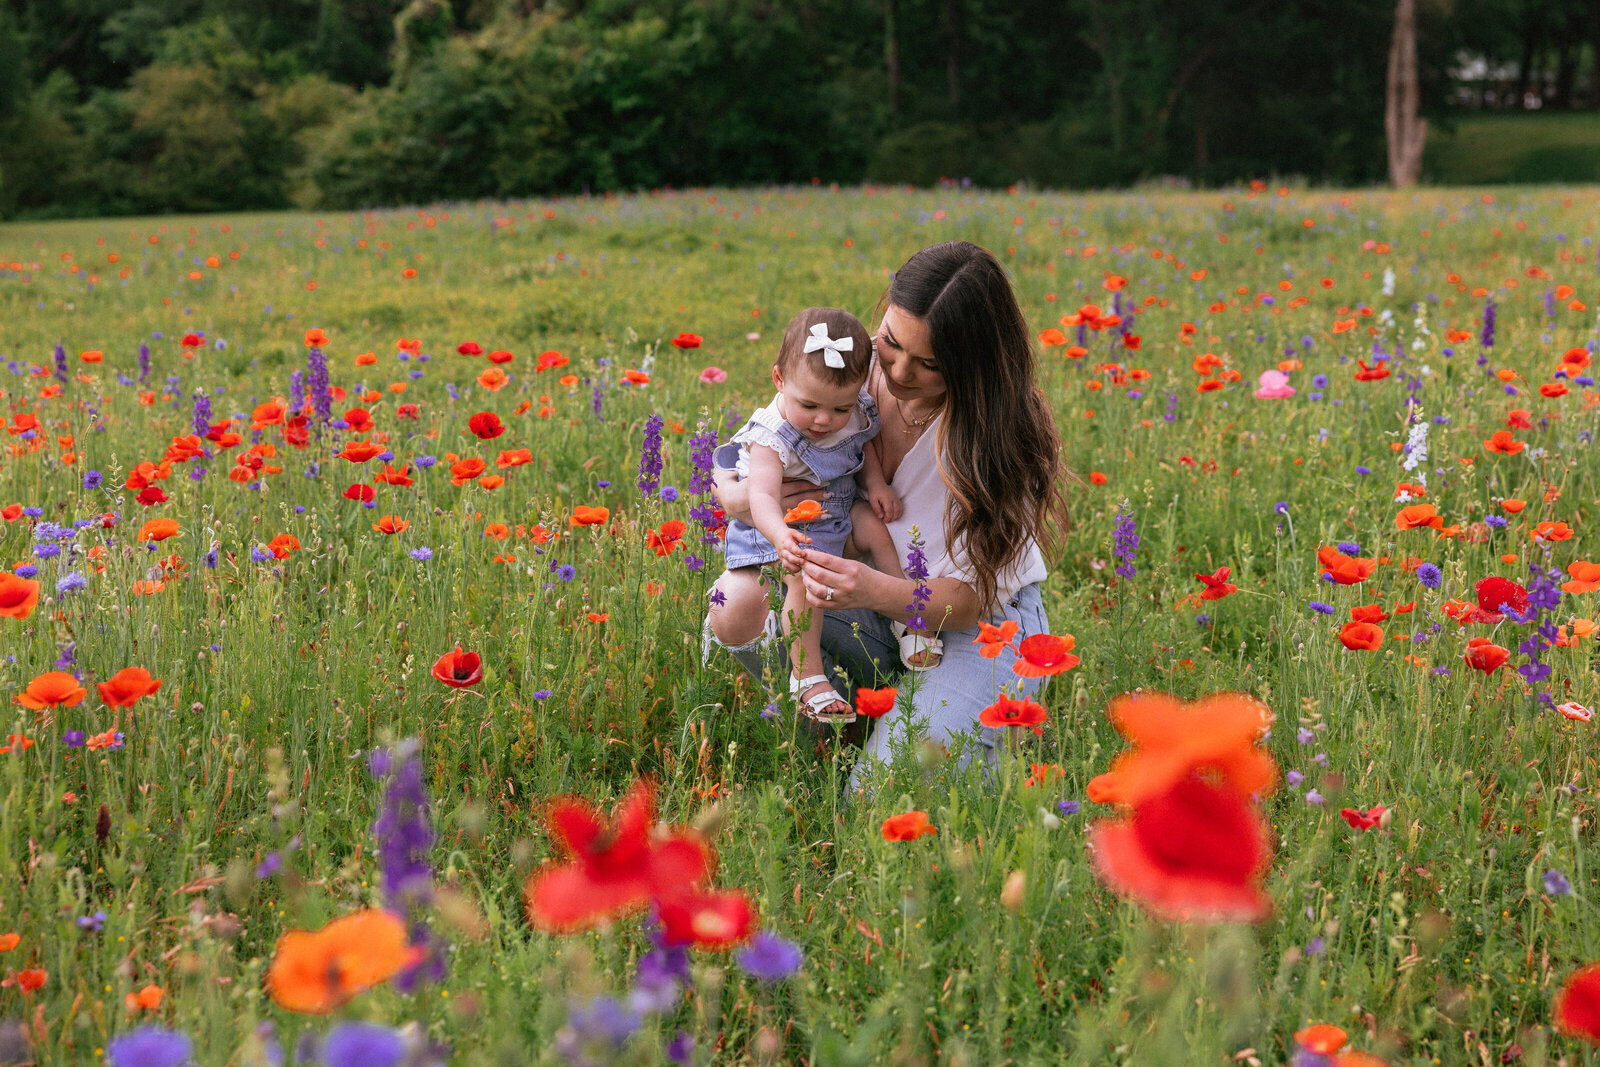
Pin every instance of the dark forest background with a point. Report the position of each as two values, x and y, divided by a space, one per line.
124 106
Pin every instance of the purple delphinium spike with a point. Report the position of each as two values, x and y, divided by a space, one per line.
61 363
321 388
404 830
650 456
917 571
202 412
144 363
1125 543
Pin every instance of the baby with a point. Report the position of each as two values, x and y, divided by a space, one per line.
814 430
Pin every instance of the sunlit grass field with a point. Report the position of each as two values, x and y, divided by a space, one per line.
239 803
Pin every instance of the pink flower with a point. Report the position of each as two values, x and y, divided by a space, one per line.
713 376
1274 385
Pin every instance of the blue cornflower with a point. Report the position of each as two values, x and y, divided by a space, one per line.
566 572
769 958
74 738
150 1046
543 694
1068 807
362 1045
27 570
1495 520
1429 575
1363 470
1556 884
669 493
1319 606
1350 548
92 479
424 462
93 923
70 581
421 554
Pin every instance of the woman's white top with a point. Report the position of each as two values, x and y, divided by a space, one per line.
762 429
927 502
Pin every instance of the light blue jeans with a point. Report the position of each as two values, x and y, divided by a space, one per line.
861 650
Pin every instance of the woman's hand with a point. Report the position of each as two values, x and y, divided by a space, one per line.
836 582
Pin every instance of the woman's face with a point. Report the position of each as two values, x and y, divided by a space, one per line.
905 353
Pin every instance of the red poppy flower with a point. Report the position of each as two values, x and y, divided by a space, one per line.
805 511
1371 374
360 451
584 515
1195 852
151 495
705 919
316 338
1499 596
1008 712
1363 820
458 669
664 540
875 703
284 544
1417 516
611 869
486 425
1217 585
550 359
1577 1006
1551 531
1216 737
391 524
18 596
360 491
469 348
1045 655
158 530
635 377
687 340
1486 656
907 827
1321 1039
32 978
1368 613
995 639
500 355
127 687
1503 443
466 470
1361 636
514 457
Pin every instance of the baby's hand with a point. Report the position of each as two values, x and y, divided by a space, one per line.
791 546
886 502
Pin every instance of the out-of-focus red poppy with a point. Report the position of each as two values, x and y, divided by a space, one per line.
1361 636
1044 655
1486 656
486 425
283 544
1215 737
18 596
584 515
664 540
316 338
315 971
458 669
687 340
1502 443
704 918
1363 820
907 827
550 359
158 530
515 457
1417 516
1346 570
391 524
995 639
635 377
875 703
500 355
469 348
52 689
270 413
611 869
127 687
360 491
1217 585
1577 1006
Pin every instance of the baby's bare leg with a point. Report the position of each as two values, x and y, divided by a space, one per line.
872 538
742 615
805 650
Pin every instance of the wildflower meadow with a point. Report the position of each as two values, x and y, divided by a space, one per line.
357 711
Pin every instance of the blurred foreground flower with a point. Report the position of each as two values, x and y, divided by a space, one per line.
1190 844
315 971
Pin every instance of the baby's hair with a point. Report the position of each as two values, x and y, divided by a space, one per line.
840 324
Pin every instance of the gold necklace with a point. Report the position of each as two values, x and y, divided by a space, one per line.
914 427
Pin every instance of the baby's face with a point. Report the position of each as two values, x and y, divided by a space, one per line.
812 405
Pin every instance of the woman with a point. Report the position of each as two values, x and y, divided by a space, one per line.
969 444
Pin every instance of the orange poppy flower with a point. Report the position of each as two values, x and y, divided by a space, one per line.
635 377
494 379
550 359
271 413
500 355
9 941
1323 1039
598 616
32 979
907 827
713 920
466 470
389 475
584 515
1551 390
360 451
995 639
515 457
284 544
1361 636
316 338
664 540
1346 570
492 481
147 587
1585 579
158 530
1418 516
805 511
1044 655
145 999
612 868
459 669
1551 531
1503 443
391 524
52 689
127 687
875 703
1052 337
18 595
1215 736
315 971
1372 612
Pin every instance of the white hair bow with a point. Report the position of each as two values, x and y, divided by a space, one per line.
830 348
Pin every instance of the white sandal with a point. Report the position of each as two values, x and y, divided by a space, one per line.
917 645
815 706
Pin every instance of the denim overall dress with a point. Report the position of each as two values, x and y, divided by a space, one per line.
834 466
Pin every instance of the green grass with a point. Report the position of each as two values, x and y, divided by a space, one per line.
1430 940
1476 148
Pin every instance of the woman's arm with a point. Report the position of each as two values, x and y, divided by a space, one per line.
953 604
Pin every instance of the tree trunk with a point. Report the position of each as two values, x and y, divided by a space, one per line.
1403 124
1567 53
891 48
952 46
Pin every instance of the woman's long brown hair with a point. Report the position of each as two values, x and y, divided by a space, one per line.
998 445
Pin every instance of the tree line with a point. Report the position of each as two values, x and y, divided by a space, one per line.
124 106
